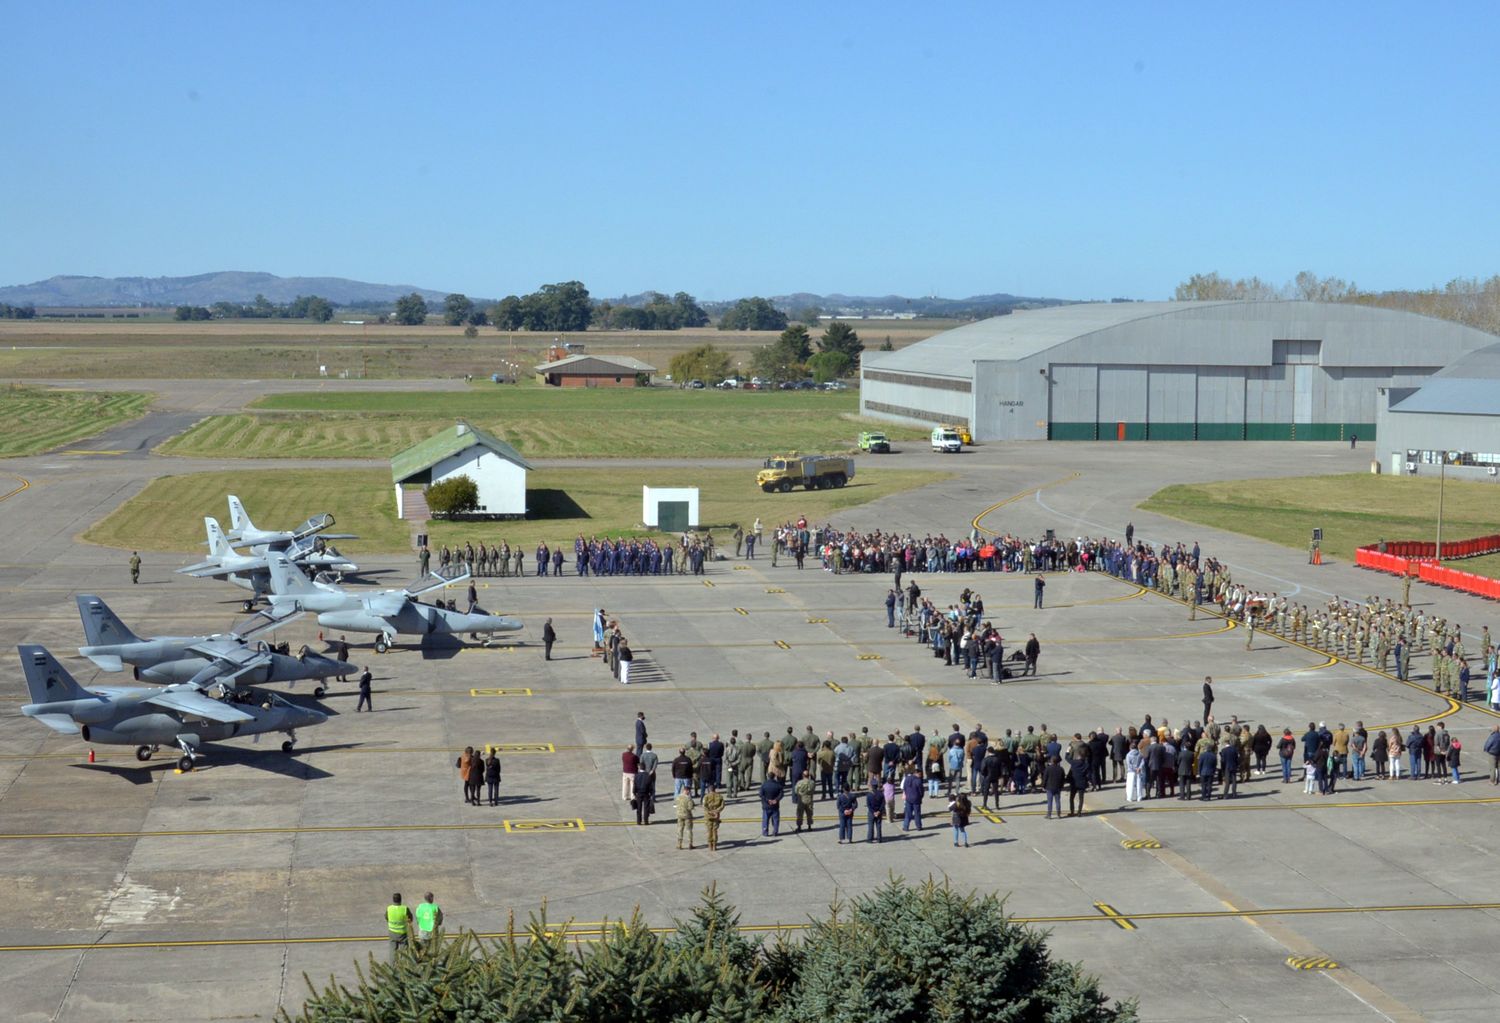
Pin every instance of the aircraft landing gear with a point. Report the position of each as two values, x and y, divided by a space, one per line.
318 692
249 607
291 741
143 753
383 643
185 763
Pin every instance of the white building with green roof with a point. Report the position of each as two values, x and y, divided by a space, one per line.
464 450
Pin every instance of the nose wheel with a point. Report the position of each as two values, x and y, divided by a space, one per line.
291 740
143 753
318 692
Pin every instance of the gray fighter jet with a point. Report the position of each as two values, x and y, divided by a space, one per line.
231 659
243 531
149 717
248 571
388 613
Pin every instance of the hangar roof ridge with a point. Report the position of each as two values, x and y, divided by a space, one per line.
1467 386
952 353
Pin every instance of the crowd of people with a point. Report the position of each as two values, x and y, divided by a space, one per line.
894 777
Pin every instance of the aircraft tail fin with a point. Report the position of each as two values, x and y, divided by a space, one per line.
48 681
218 546
286 578
238 520
101 627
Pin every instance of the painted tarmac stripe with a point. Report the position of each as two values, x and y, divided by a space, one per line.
1191 806
1120 919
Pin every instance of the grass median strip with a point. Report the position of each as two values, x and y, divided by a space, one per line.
658 422
1352 510
39 418
168 514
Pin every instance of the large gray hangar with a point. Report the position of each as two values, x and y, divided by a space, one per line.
1165 371
1453 419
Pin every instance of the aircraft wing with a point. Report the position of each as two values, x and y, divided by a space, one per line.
204 568
196 704
265 621
435 581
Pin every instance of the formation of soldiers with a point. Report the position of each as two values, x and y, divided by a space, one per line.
592 556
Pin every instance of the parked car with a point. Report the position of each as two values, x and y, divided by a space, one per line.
727 385
695 385
835 385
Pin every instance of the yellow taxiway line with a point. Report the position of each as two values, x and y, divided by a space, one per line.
573 824
1117 918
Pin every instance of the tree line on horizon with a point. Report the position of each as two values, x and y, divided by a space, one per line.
1467 300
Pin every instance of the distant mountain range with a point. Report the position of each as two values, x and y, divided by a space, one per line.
243 286
203 289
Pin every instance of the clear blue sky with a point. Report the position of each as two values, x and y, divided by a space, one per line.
1081 151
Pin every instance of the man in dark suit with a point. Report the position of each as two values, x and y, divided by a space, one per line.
1229 759
1038 587
716 760
770 807
1208 697
549 636
874 811
640 731
1208 763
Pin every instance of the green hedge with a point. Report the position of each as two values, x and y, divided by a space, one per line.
902 954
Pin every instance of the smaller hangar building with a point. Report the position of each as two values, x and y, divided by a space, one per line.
462 450
1165 371
593 371
1453 418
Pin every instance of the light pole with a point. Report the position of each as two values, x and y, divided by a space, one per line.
1442 478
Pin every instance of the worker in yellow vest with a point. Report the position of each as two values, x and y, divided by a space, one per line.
429 919
398 922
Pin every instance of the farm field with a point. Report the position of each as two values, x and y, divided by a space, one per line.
38 419
541 423
168 514
1352 510
261 349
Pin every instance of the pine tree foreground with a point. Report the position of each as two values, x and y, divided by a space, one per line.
899 954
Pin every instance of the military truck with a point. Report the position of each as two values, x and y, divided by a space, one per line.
815 472
874 442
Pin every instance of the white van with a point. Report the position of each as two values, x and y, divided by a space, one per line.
946 439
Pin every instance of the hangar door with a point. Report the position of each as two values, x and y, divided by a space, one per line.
1073 396
1122 402
1172 412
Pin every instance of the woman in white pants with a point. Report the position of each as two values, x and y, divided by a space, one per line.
1135 767
1398 747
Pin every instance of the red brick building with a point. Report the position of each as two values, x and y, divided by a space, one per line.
593 371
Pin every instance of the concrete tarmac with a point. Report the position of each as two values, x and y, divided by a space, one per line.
140 893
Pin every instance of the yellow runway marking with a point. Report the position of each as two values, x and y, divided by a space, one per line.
500 692
834 686
868 657
1311 963
937 703
25 483
1114 914
585 932
975 522
741 611
1139 843
523 827
817 621
783 644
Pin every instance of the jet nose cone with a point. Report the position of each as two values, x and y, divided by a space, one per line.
313 717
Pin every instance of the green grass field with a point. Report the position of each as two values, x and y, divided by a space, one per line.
270 349
1352 510
541 423
38 419
168 514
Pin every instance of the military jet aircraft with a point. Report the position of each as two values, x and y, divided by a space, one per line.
149 717
248 571
243 531
229 659
388 613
